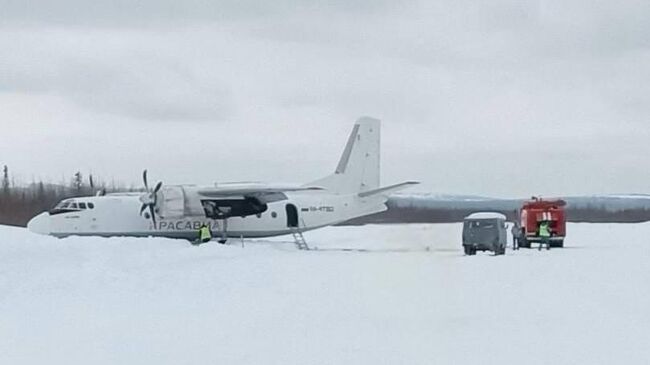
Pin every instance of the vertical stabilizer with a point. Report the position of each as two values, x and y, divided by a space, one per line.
358 168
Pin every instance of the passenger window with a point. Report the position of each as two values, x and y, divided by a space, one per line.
82 205
91 206
73 206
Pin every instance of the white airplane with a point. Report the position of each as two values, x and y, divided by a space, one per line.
234 209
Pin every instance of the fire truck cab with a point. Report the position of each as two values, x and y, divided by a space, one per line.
536 211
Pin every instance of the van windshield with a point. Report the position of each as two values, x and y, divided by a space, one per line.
481 224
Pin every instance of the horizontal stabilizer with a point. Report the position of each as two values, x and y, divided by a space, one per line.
388 189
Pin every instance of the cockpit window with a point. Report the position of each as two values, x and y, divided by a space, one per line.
66 206
91 206
82 205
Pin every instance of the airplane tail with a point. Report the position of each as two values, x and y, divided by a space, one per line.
358 168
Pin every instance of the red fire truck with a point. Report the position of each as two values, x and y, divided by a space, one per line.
538 210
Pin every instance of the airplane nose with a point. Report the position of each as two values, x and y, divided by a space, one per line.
40 224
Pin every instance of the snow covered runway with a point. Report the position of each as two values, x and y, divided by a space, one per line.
413 299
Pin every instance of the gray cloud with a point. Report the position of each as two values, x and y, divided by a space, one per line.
100 71
152 12
467 91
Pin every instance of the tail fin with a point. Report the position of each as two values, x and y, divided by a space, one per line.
358 168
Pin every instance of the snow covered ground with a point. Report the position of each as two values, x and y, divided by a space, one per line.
410 298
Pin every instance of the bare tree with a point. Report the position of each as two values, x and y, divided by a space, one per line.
5 180
40 192
77 183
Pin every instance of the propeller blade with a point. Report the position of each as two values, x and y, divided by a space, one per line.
153 215
144 178
150 199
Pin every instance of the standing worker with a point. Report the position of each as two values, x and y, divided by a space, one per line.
205 235
545 235
516 233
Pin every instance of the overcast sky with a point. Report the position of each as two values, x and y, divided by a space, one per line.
499 98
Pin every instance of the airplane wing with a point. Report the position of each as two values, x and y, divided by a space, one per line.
263 193
218 192
244 198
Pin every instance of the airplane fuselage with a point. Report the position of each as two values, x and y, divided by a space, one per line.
117 215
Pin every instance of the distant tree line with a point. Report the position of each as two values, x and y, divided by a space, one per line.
590 214
20 202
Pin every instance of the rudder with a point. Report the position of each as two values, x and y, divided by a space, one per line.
358 167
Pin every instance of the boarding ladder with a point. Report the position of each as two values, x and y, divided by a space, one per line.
299 239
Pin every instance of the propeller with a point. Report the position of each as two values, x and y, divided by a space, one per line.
101 191
150 198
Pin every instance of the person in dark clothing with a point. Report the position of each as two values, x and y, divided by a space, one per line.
516 233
